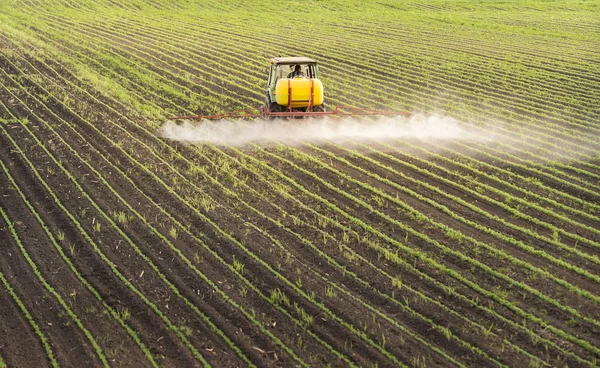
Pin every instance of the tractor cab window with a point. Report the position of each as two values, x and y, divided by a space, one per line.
309 71
286 71
283 71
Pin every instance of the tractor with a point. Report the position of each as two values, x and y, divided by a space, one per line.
294 86
293 91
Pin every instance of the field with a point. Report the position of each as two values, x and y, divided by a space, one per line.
120 247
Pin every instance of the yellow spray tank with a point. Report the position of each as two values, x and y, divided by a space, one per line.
300 91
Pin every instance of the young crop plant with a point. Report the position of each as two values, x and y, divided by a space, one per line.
122 217
306 320
238 266
173 232
278 297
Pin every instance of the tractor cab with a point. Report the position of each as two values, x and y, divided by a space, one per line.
293 85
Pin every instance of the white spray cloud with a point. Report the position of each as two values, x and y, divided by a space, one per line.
293 132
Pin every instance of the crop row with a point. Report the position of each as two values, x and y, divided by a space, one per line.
17 300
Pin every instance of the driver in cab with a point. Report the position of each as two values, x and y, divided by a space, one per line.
297 73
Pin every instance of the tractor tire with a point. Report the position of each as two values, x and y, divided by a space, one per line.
320 108
274 107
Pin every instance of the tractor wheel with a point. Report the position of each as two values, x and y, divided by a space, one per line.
320 108
274 107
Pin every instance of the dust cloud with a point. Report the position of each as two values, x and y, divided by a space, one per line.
298 131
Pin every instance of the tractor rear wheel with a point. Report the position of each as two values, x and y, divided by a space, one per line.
320 108
274 107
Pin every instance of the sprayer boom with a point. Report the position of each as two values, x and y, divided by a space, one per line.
261 112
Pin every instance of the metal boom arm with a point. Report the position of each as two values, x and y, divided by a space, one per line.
264 113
